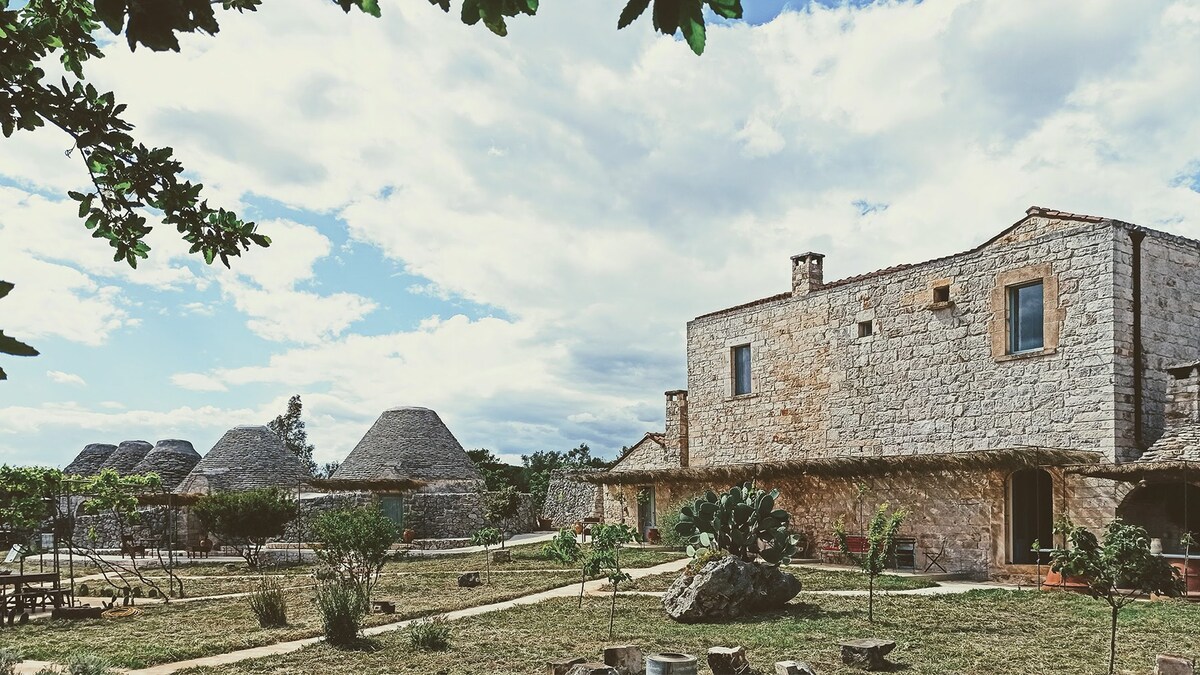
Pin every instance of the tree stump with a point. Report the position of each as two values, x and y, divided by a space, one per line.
728 661
1174 665
794 668
627 659
469 580
561 666
866 653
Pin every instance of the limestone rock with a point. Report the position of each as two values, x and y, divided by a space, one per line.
794 668
501 557
469 580
728 661
728 588
562 666
1174 665
867 653
592 669
627 659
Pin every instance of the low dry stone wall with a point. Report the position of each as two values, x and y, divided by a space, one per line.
569 501
449 515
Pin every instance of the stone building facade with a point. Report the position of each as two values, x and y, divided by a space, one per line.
1057 334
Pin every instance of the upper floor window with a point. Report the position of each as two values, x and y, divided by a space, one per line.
741 370
1026 312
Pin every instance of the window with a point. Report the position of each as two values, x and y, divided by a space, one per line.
1025 317
865 329
741 370
941 294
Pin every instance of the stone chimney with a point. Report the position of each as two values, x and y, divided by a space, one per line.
1183 395
807 272
676 437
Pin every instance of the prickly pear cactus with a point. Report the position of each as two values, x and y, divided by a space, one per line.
742 521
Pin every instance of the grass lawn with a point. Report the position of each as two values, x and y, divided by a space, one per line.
164 633
810 579
981 632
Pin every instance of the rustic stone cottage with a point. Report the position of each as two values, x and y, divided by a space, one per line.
90 459
245 458
413 445
1051 371
172 459
127 456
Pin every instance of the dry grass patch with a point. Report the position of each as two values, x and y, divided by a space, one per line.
982 632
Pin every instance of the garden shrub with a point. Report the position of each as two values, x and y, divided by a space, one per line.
8 661
246 519
355 544
79 664
670 518
563 548
430 635
268 603
742 521
342 606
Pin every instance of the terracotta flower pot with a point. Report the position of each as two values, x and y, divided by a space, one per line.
1190 571
578 528
409 535
653 535
1056 581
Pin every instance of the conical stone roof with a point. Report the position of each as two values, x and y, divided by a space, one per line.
127 456
90 459
172 459
411 443
245 458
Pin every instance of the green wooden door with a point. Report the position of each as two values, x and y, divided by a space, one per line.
393 508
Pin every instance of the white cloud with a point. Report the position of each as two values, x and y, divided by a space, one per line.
65 378
598 189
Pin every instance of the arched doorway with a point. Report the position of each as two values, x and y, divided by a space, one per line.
1166 510
1030 515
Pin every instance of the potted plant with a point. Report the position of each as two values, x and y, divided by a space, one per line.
578 527
408 535
653 535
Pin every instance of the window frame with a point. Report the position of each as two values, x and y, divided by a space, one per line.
734 370
1012 298
1053 314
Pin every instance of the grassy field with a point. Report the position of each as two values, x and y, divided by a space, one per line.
164 633
810 579
982 632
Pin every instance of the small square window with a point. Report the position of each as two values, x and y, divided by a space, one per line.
941 294
741 370
1026 314
866 328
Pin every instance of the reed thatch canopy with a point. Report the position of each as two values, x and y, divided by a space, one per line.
1132 472
366 484
847 467
168 498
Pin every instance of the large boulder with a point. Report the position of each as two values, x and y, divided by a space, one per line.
726 588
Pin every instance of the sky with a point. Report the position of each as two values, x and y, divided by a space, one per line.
514 232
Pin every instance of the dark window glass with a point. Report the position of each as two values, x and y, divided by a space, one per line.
941 294
741 370
865 329
1025 310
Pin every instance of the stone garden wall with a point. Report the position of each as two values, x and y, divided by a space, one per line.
447 515
570 501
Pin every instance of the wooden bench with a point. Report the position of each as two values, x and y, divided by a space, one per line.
856 543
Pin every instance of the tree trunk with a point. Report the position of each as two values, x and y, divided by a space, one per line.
1112 653
612 612
582 583
871 598
487 561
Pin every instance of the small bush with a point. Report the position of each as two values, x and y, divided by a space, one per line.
8 661
430 635
268 603
563 548
342 607
670 518
81 664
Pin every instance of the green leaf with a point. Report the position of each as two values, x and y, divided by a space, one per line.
632 11
666 16
470 12
5 287
370 7
3 375
15 347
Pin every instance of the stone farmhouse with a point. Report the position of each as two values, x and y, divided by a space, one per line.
1054 370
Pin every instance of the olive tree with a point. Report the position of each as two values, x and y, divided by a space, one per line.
246 519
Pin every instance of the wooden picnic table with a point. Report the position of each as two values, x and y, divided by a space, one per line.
25 593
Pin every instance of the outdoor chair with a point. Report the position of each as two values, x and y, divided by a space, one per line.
932 557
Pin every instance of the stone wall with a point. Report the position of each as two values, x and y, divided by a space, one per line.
926 380
1170 270
569 501
313 505
649 453
966 509
439 516
102 531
